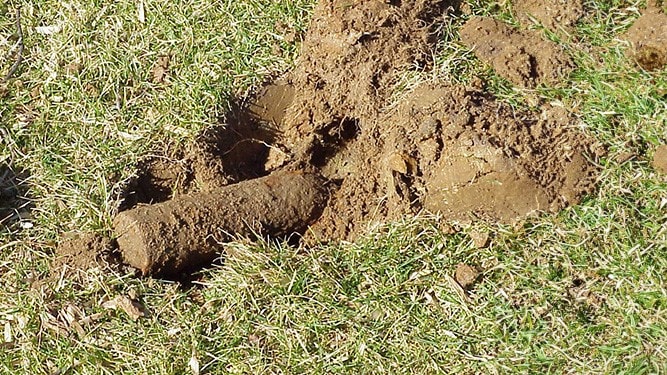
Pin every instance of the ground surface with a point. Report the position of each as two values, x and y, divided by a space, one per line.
406 109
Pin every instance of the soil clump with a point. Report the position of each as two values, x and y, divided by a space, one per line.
553 14
523 57
186 232
648 37
660 159
83 251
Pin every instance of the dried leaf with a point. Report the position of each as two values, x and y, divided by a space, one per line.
160 69
132 308
48 30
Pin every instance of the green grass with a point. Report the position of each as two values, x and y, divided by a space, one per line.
583 291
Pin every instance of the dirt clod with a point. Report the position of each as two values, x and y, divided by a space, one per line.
660 159
648 36
160 69
521 56
186 232
466 276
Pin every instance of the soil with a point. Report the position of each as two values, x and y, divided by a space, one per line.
83 251
648 37
457 152
553 14
450 150
523 57
466 276
660 159
183 233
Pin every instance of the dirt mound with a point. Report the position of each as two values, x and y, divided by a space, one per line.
648 36
348 65
553 14
660 159
451 150
457 152
521 56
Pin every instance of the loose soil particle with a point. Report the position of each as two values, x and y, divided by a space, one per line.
521 56
466 276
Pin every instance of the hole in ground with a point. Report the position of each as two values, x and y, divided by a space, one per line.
335 137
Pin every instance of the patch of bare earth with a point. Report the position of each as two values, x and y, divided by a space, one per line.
451 150
553 14
660 159
648 37
523 57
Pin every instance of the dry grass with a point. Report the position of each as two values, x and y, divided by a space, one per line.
579 292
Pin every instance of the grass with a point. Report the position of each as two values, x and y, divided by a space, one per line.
583 291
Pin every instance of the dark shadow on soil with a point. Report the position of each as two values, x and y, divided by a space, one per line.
14 204
237 150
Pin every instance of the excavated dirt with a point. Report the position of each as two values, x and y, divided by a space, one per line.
448 150
523 57
83 251
660 159
185 232
457 152
553 14
451 150
648 37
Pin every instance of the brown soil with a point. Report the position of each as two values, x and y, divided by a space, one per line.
660 159
450 150
466 275
521 56
238 151
553 14
648 36
186 232
457 152
83 251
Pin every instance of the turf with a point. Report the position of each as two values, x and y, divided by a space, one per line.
583 291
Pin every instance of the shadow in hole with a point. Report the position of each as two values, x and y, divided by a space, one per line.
14 205
232 152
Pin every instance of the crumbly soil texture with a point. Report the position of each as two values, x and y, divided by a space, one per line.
648 39
449 150
556 15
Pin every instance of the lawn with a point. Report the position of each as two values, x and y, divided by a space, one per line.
103 85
